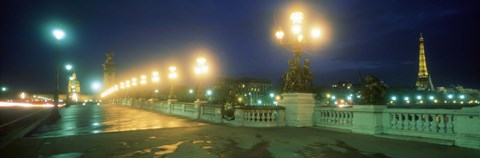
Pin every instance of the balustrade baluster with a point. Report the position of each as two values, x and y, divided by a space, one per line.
327 118
393 121
267 119
449 122
436 122
426 122
350 118
419 124
441 124
274 117
412 122
432 122
335 117
263 117
399 121
406 123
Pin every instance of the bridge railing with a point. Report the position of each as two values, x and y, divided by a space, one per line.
428 123
259 116
460 126
332 117
251 116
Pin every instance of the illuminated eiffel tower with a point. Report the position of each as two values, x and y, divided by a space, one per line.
424 81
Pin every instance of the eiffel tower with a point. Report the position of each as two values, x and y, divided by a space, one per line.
424 81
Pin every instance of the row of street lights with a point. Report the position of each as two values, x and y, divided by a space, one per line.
200 70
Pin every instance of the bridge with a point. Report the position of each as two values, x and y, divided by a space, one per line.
141 128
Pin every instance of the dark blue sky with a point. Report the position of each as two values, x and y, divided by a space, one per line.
375 37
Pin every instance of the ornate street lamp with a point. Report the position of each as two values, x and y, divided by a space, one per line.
297 78
200 69
172 76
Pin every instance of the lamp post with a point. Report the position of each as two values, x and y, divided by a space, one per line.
172 76
297 79
59 34
155 81
200 70
4 90
67 98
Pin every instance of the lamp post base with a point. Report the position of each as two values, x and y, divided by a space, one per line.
54 115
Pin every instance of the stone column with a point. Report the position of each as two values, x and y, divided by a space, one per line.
299 108
368 119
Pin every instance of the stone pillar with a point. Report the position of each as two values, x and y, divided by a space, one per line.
299 108
198 108
368 119
467 127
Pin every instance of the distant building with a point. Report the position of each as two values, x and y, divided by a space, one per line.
73 84
342 85
74 88
424 80
246 91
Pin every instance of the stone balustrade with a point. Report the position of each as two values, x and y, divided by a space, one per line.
460 126
428 123
333 117
260 116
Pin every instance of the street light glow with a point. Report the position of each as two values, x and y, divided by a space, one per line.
201 61
68 67
300 38
96 86
172 68
173 73
316 33
296 17
134 81
279 35
4 89
296 29
143 79
155 76
59 34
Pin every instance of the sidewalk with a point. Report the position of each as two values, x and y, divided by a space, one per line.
225 141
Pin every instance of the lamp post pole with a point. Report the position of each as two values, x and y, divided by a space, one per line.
201 69
67 98
57 65
172 76
59 34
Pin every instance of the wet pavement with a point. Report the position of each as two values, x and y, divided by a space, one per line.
229 142
91 119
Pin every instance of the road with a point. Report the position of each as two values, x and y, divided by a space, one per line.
88 119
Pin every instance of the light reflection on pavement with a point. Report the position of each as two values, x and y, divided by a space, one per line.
89 119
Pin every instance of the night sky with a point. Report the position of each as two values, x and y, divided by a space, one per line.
374 37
